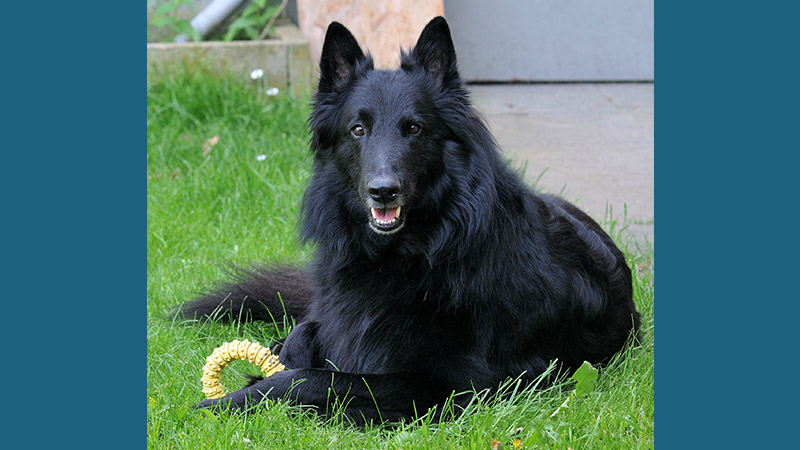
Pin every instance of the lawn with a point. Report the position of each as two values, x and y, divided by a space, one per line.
226 168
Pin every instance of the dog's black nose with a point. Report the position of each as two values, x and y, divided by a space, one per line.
383 190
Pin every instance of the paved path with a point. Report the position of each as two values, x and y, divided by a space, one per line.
593 143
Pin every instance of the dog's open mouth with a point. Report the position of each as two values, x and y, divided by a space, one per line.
386 220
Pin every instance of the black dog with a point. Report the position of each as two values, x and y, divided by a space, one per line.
437 270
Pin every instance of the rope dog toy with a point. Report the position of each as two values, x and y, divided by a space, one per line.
253 352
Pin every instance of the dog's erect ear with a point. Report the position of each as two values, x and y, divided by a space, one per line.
435 51
340 53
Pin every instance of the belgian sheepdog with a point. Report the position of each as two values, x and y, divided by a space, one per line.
436 269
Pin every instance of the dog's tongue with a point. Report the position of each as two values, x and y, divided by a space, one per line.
385 214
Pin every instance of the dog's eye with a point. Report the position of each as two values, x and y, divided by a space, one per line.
357 131
414 128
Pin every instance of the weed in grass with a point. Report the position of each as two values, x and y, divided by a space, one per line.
233 206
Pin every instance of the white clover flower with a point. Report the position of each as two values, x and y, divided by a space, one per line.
256 74
261 157
272 91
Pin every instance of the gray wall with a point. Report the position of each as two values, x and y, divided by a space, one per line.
553 40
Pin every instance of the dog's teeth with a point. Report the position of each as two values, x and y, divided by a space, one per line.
374 213
397 213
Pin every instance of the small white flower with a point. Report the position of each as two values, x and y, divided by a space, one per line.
272 91
261 157
256 74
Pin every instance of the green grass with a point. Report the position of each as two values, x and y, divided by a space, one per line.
204 212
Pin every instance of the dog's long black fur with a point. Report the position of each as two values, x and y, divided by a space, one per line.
475 279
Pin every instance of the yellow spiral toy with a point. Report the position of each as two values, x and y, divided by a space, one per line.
253 352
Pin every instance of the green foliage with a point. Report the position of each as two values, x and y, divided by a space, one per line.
252 21
165 16
585 379
238 203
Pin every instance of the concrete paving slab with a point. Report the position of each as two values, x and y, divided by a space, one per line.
591 143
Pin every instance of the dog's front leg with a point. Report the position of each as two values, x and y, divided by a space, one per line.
362 398
300 349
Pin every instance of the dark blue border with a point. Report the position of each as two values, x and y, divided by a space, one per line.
74 222
726 121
